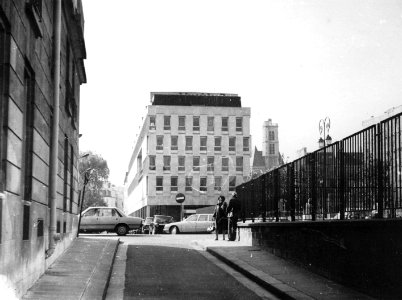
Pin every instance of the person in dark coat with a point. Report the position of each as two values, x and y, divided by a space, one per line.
233 214
220 217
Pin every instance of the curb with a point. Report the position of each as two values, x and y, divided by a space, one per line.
100 277
268 282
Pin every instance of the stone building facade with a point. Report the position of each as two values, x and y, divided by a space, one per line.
197 144
41 69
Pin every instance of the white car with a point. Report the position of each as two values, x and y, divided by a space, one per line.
110 219
197 223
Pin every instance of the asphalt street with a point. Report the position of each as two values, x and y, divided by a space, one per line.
177 273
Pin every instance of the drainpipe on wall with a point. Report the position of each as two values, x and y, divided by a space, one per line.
55 129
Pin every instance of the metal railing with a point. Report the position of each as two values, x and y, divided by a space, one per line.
359 177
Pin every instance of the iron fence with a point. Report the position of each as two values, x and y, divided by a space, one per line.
359 177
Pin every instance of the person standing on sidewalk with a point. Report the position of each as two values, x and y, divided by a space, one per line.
233 212
220 217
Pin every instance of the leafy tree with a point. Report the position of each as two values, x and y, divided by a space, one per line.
98 171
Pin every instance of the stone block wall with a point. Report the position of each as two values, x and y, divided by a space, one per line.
26 112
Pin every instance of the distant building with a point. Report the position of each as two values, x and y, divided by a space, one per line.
197 144
269 158
113 195
270 144
40 78
387 114
302 152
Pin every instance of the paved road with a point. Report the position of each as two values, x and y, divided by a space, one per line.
177 273
169 267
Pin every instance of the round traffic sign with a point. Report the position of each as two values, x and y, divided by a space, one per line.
180 198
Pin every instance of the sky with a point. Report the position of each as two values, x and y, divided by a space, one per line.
295 62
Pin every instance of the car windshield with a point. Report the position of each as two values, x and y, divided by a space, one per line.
163 219
192 218
148 220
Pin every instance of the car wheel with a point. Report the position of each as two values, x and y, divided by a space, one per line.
174 230
121 230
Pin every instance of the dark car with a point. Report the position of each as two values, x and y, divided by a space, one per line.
159 222
146 224
110 219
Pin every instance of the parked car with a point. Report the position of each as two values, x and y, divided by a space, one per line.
110 219
145 225
197 223
159 222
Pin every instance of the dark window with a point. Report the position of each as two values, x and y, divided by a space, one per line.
166 122
152 162
232 183
182 160
225 123
139 161
189 184
173 183
218 183
173 142
26 222
65 167
272 135
159 183
225 164
203 218
58 227
239 124
40 227
71 178
166 163
210 125
203 184
152 123
203 143
196 163
218 143
159 142
28 132
232 143
271 148
246 144
189 143
182 123
239 163
64 227
210 163
196 123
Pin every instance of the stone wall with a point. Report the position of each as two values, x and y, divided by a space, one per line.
26 111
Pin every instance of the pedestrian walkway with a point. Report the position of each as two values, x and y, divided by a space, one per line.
81 272
277 275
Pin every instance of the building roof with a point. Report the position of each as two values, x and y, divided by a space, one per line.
195 99
258 159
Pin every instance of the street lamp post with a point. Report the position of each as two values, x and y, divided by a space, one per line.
324 125
82 196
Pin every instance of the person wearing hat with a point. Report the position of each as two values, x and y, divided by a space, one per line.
220 217
233 213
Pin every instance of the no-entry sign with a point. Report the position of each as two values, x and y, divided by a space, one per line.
180 198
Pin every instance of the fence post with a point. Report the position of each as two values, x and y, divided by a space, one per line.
276 194
264 203
341 181
380 170
312 187
291 189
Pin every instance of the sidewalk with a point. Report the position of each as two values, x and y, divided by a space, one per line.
277 275
81 272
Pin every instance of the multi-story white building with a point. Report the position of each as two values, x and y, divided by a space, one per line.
197 144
